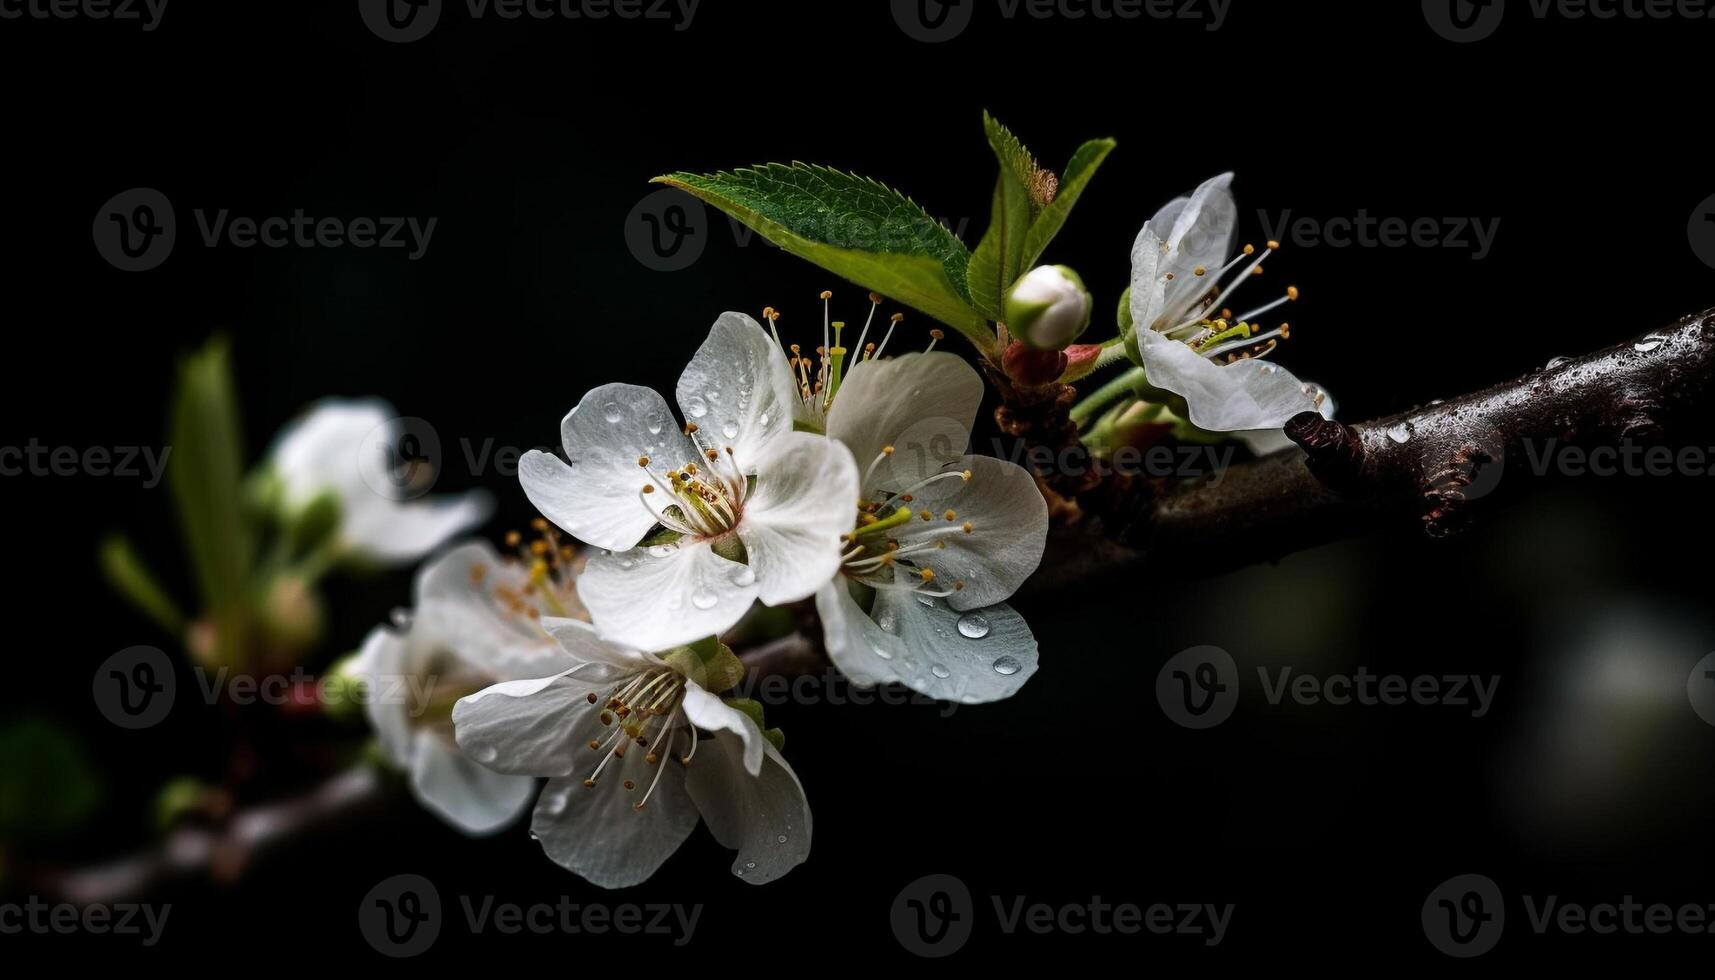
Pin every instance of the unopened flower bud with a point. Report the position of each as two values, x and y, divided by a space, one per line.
1048 308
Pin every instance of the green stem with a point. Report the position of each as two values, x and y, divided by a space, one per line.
1086 410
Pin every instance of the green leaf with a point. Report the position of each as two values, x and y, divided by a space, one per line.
1022 192
207 481
125 571
1047 225
48 786
1030 208
853 227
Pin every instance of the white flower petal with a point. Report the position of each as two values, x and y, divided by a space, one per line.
738 389
806 494
538 727
383 667
472 798
583 644
1244 395
595 496
598 834
854 643
663 596
1009 521
1148 287
398 532
1263 442
923 405
458 613
711 714
1200 231
764 817
970 657
317 452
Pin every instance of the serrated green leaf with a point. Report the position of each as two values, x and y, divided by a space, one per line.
1020 194
1052 218
854 227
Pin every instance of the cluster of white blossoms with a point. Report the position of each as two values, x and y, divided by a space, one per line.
1185 268
786 476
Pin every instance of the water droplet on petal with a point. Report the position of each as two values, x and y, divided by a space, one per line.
781 839
744 576
610 411
888 622
750 864
662 550
704 599
1007 666
656 424
730 429
696 407
883 654
940 670
484 754
763 420
974 626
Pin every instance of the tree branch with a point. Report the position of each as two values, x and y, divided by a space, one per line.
1431 465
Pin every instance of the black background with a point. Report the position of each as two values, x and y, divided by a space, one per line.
532 141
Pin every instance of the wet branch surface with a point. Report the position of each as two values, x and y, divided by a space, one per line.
1434 466
1437 466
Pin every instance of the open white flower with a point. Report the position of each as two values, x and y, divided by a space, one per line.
635 748
1191 343
757 508
340 450
477 621
941 540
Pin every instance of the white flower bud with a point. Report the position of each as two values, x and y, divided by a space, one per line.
1048 308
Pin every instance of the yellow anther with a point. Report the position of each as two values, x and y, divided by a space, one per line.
827 294
643 461
898 317
1292 293
649 488
927 574
950 515
512 539
875 298
1273 246
969 527
1200 271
